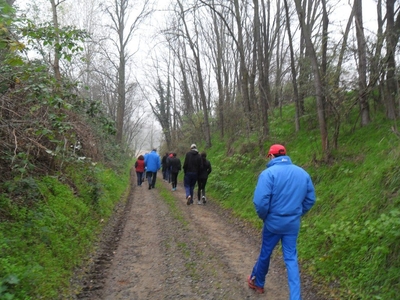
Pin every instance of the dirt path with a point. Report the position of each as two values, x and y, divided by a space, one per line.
155 250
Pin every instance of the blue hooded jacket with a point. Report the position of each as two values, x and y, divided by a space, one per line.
152 161
283 194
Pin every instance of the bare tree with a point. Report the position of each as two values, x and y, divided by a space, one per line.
194 46
119 15
243 69
392 38
162 109
318 80
218 50
362 64
293 68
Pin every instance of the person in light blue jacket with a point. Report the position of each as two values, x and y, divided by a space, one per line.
284 193
152 162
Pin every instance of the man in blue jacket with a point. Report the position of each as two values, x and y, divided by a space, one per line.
152 163
284 193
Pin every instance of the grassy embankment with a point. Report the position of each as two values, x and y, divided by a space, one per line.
351 237
48 232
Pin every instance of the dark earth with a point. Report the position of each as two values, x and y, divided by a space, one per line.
150 251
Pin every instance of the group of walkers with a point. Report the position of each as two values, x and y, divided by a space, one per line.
283 194
196 168
146 166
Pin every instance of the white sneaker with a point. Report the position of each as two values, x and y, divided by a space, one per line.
204 199
198 202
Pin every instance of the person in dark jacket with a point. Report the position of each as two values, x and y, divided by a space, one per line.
174 165
168 171
139 168
164 166
191 169
205 170
284 193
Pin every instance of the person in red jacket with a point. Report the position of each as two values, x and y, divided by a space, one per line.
139 168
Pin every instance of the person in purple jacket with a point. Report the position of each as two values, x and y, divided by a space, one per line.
284 193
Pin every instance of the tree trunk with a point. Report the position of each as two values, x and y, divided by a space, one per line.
56 62
219 75
318 82
244 73
293 70
391 79
362 65
119 14
200 85
264 65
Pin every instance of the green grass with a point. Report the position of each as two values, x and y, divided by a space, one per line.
171 201
42 244
352 234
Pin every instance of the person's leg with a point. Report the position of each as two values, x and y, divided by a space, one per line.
199 187
149 174
186 183
260 269
193 184
153 181
292 267
138 178
169 175
174 179
204 188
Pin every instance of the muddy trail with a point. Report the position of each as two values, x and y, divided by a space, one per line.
158 249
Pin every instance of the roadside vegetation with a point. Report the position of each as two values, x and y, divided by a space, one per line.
42 243
61 172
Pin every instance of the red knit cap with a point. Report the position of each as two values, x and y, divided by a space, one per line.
277 149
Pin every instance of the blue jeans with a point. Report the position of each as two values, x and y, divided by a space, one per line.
260 270
139 176
151 178
189 181
168 175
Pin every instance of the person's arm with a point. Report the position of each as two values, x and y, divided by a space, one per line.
209 168
262 195
185 164
309 200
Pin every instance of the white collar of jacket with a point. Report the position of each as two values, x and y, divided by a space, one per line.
279 160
